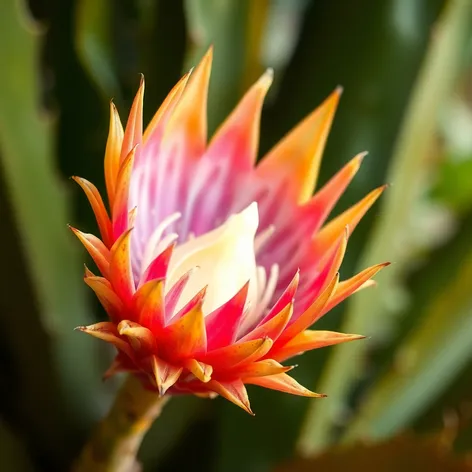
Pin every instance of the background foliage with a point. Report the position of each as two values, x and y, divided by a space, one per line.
406 67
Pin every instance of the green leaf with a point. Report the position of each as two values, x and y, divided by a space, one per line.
368 311
454 187
94 45
40 208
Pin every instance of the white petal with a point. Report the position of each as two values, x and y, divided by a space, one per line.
226 261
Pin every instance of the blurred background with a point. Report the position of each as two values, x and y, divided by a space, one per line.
401 399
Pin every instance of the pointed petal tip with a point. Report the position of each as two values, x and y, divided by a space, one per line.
206 60
269 72
334 97
353 166
123 327
351 216
87 272
246 407
210 50
141 87
266 79
310 394
372 197
359 337
355 337
358 159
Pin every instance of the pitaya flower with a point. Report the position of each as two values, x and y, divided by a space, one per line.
214 267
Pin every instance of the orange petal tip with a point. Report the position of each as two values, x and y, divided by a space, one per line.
268 76
359 158
355 337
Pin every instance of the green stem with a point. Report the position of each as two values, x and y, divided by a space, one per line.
115 442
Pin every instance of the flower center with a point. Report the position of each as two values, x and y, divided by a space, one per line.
225 259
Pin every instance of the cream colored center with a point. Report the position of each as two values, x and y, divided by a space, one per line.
225 261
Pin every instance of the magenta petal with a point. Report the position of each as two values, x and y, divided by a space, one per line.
287 297
173 296
195 301
157 269
222 324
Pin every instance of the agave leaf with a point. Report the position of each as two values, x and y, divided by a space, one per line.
93 42
368 311
40 208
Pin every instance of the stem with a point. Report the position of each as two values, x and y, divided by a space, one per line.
116 440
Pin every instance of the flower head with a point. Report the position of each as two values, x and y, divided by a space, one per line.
212 267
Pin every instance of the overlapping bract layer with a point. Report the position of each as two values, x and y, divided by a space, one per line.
169 174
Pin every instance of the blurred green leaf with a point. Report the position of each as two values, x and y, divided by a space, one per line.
235 28
454 187
426 362
161 23
13 456
94 45
369 310
431 276
27 369
432 453
40 207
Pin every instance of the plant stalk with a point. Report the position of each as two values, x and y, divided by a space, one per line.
115 442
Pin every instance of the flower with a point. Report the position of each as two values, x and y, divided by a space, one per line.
212 267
